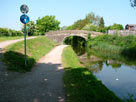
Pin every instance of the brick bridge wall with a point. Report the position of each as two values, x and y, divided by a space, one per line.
59 36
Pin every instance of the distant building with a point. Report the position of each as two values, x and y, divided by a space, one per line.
130 27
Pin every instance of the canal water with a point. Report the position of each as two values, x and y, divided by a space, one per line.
117 75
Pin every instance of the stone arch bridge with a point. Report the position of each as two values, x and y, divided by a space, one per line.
59 36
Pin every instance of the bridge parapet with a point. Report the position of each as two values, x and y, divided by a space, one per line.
59 36
74 31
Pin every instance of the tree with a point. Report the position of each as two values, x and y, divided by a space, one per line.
91 22
92 18
79 24
46 24
133 3
89 19
30 28
101 28
63 28
87 26
90 27
115 27
101 25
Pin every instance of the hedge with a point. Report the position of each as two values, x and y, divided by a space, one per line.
10 32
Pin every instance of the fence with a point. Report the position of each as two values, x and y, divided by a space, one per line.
122 32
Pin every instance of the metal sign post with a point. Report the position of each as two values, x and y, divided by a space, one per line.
25 42
24 19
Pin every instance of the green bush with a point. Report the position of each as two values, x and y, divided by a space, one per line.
9 32
116 27
122 41
91 22
124 45
47 23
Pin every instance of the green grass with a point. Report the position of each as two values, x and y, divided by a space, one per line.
2 38
36 48
106 47
80 84
123 45
70 59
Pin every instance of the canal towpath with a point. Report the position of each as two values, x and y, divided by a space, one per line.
43 84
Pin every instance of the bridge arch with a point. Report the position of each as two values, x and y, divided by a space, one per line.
59 36
74 36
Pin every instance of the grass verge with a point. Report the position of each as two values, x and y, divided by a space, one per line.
36 48
80 84
123 45
10 38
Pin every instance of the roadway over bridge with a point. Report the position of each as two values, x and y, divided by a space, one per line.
60 36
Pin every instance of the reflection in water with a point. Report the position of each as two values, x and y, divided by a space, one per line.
117 76
114 64
78 44
79 50
96 67
95 64
121 81
117 73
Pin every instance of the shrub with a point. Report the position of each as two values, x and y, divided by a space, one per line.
9 32
47 23
124 45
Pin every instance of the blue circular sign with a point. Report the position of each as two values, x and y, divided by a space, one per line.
24 19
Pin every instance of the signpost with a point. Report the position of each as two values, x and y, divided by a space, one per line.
24 19
24 9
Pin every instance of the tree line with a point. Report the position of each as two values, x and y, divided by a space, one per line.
10 32
48 23
42 25
92 22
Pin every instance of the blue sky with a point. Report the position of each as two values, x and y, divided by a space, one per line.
67 11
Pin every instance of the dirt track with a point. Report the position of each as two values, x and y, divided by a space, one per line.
43 84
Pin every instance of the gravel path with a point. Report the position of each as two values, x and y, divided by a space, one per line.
43 84
9 42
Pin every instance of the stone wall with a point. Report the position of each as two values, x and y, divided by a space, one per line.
59 36
122 32
74 31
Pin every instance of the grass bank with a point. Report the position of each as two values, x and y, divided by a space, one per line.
36 48
122 45
80 84
4 38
